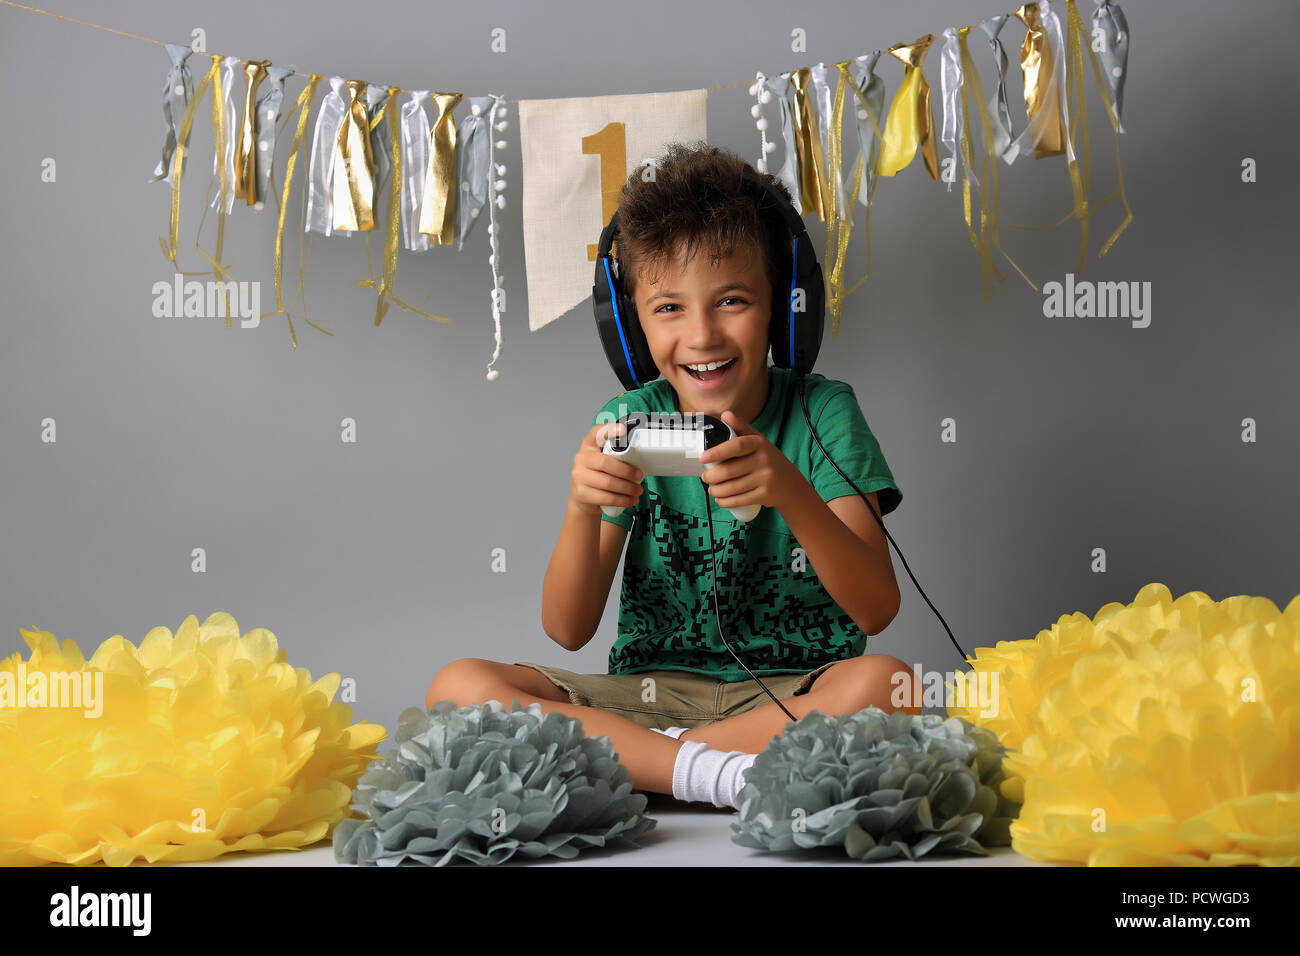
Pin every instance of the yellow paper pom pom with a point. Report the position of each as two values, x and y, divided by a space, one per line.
1162 732
190 746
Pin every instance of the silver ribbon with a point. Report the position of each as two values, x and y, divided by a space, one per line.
789 174
177 90
269 100
320 171
951 82
381 144
822 91
415 160
229 67
999 112
873 88
1108 20
473 135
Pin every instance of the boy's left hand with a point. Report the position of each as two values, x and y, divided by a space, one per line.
749 469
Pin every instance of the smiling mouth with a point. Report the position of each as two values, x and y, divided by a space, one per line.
711 376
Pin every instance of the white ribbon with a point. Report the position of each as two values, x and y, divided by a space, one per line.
228 67
1032 133
320 171
1000 114
415 160
1109 23
822 91
951 81
873 89
474 172
789 174
178 87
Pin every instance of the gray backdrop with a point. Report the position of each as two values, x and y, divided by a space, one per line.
374 559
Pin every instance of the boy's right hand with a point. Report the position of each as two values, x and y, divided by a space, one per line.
600 479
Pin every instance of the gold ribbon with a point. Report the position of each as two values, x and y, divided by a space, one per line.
303 106
170 243
383 284
1037 64
246 148
352 189
838 231
221 272
981 243
910 121
814 193
1078 37
1078 41
438 205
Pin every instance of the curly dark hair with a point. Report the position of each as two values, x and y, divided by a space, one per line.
697 199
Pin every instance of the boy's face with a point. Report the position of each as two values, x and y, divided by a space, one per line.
701 314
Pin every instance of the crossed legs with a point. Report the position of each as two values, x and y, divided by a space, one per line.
649 757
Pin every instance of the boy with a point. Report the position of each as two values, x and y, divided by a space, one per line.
799 587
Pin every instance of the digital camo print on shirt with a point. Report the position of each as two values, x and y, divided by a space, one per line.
776 614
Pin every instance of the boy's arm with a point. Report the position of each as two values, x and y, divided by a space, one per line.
579 576
849 552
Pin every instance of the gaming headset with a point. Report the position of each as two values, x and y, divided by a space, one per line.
795 336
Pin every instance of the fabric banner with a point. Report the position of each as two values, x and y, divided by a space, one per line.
577 154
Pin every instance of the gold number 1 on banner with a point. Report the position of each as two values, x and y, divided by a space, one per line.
611 145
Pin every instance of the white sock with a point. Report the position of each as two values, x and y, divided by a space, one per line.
705 775
674 732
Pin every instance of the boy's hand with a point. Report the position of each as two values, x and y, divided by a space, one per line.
600 479
749 469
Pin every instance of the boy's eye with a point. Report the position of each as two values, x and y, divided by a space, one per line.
727 299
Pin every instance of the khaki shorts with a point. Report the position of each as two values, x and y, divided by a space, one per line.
679 699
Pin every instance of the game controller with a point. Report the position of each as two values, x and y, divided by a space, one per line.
670 446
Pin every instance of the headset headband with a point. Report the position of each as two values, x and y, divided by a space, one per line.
795 334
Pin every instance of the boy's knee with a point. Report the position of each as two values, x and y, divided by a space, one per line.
459 682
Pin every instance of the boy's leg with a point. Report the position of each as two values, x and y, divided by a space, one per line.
844 688
648 756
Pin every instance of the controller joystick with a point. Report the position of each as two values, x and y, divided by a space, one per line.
670 446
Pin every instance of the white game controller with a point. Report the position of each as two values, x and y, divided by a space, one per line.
671 447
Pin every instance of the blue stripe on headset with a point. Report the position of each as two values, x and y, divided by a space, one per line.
618 323
790 303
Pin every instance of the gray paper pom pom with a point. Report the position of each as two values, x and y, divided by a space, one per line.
483 784
880 785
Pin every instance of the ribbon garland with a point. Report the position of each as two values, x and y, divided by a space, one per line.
992 152
353 151
384 284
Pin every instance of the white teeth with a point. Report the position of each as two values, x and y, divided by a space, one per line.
710 367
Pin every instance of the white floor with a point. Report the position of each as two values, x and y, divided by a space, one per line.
685 835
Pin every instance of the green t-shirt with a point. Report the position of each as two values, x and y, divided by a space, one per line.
775 612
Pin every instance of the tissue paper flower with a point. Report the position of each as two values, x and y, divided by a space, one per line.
880 785
184 748
1164 732
483 784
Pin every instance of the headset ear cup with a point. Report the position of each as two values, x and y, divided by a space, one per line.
643 365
